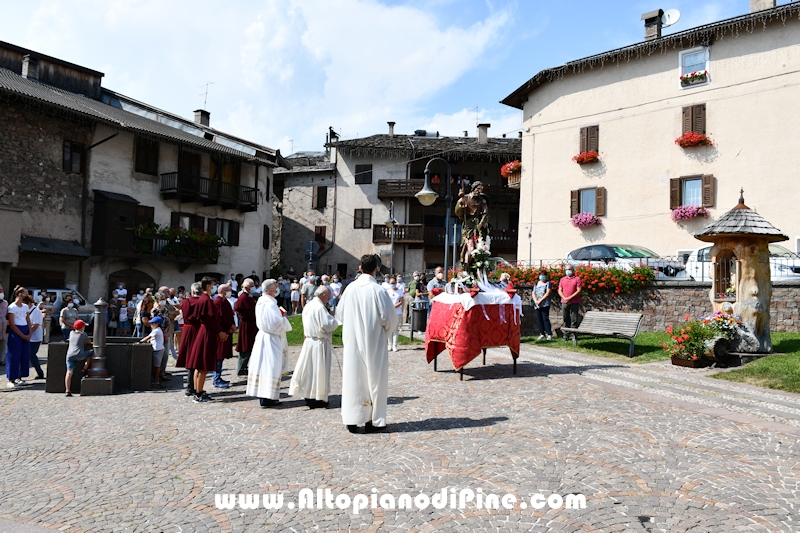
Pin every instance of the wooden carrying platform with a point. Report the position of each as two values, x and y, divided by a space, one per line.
601 324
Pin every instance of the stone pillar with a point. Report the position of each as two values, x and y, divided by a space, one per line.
98 364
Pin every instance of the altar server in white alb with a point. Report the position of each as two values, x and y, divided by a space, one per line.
312 374
266 360
367 316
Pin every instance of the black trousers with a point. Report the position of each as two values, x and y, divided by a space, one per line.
570 314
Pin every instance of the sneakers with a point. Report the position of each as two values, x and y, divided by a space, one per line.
394 348
549 337
11 385
540 337
203 397
189 392
222 385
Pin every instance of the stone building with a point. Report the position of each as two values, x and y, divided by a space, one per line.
343 200
87 174
733 81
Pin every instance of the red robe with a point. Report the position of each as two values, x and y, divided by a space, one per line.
203 355
246 309
188 330
225 314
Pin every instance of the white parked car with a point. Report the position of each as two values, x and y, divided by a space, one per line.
783 264
625 257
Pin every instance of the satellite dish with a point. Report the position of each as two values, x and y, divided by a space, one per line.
670 17
312 247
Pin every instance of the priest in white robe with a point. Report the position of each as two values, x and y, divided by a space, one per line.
367 316
312 374
266 360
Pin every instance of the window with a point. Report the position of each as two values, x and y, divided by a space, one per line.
694 60
362 219
227 229
691 190
363 174
319 198
319 235
265 242
726 276
694 118
73 157
590 139
588 201
147 157
187 221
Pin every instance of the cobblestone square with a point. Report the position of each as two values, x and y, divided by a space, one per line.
652 448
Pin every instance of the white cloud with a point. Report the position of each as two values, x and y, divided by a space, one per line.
455 124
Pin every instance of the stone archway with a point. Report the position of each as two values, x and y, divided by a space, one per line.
134 281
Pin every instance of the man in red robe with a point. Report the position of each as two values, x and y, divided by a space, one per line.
203 355
246 309
228 326
188 333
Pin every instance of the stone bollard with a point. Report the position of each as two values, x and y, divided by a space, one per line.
97 369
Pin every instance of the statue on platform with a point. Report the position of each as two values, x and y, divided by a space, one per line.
473 211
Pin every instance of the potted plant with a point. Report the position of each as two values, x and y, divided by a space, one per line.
585 220
694 78
587 157
691 138
687 345
688 212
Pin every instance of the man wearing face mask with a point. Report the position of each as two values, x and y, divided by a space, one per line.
569 289
122 292
438 282
3 325
336 292
68 317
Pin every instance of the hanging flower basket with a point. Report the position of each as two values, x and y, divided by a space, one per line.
585 220
688 212
694 78
510 168
587 157
690 138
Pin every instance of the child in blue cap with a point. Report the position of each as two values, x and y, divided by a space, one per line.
156 338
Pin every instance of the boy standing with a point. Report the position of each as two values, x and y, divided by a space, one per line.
76 352
156 338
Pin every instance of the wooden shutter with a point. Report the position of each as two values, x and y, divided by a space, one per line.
600 202
699 118
708 191
233 233
212 225
265 243
319 197
175 219
198 223
584 142
144 214
674 193
358 219
319 234
594 138
574 203
687 119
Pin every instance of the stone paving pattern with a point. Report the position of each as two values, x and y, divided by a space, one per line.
653 448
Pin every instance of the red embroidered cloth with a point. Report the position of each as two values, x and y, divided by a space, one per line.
466 333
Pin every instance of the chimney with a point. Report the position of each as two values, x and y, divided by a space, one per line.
652 24
466 133
483 135
391 129
201 116
30 67
761 5
520 134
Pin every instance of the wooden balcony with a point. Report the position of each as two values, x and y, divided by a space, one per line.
189 188
514 179
391 189
403 233
175 250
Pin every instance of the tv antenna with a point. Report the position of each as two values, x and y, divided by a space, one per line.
477 111
670 17
205 94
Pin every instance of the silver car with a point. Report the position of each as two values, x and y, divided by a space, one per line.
625 257
783 264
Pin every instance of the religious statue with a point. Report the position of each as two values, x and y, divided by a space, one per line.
473 211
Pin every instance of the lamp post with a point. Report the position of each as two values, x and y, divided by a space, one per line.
390 224
427 196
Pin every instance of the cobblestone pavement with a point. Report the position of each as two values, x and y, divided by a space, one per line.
652 448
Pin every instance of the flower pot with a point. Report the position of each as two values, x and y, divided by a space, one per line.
514 179
693 81
691 363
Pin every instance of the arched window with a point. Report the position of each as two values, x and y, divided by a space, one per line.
726 276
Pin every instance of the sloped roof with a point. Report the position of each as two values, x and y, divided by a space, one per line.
452 148
12 83
685 39
306 163
741 221
116 196
44 245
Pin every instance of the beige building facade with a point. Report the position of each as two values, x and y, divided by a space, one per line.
634 106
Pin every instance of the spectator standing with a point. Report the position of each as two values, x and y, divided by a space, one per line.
396 294
156 339
124 324
113 315
226 322
307 292
295 290
37 319
245 310
542 291
67 317
336 292
569 289
438 282
386 285
234 285
18 350
122 292
47 309
3 325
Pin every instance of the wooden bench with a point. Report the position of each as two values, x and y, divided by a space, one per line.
601 324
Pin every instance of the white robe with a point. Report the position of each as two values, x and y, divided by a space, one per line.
266 360
367 315
312 374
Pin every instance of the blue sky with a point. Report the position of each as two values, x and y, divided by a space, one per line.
285 70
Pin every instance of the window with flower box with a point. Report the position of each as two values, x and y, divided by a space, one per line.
691 190
227 229
693 66
591 200
590 139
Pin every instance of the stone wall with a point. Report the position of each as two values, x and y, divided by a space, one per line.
665 303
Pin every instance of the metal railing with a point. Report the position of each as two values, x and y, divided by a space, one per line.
199 189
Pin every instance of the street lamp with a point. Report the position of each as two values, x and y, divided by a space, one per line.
427 196
390 224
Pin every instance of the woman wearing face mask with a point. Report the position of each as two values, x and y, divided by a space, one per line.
295 288
542 291
19 336
67 317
